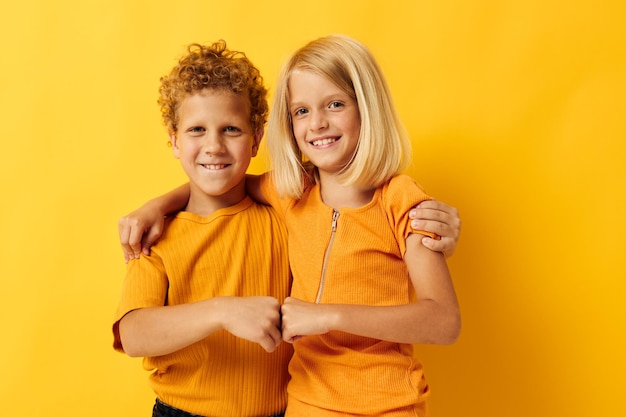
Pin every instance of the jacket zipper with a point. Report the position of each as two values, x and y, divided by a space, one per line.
333 229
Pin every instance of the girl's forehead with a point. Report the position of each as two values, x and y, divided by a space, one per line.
307 80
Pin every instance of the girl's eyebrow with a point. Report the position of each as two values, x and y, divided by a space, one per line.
293 104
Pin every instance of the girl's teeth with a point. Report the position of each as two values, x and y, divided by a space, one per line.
322 142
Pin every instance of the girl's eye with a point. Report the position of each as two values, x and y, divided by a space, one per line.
335 104
300 112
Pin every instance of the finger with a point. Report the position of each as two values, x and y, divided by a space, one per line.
438 206
268 344
432 226
276 336
436 211
284 325
292 339
439 222
445 245
424 206
274 325
287 337
149 239
421 213
123 232
134 240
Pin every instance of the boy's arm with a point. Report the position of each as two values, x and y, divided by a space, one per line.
155 331
437 217
433 318
140 229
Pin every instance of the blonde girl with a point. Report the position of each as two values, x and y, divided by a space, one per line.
364 289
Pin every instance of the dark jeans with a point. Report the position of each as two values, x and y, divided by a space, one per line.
161 409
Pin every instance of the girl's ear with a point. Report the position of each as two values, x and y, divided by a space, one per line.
174 142
257 141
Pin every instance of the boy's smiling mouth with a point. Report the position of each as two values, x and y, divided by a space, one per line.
215 167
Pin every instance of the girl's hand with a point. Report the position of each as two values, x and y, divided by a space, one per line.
437 217
300 318
139 230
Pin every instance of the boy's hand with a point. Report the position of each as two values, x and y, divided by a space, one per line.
139 230
256 319
437 217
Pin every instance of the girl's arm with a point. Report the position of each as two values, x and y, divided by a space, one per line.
433 318
141 228
437 217
156 331
253 189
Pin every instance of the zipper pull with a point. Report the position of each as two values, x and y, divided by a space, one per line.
334 222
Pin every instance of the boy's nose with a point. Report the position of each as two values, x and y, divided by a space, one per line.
213 144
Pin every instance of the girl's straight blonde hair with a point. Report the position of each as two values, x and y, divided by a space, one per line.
384 148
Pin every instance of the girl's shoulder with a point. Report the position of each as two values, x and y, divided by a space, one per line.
401 192
401 184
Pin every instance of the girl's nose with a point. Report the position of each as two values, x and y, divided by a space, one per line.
318 120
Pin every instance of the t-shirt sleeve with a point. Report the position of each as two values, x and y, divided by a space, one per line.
400 195
145 285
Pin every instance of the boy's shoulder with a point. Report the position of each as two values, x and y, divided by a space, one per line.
247 207
225 223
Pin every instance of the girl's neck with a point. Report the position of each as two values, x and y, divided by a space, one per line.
337 195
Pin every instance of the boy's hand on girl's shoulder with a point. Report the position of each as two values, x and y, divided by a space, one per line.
256 319
437 217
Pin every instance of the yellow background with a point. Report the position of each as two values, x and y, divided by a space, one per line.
517 113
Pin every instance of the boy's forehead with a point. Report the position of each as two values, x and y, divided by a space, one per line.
215 100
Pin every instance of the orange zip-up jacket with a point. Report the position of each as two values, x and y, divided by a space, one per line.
238 251
352 256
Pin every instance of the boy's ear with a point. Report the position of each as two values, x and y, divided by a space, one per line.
174 142
258 135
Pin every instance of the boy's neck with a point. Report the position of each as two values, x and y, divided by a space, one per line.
203 204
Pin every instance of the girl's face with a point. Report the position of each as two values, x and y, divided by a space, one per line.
325 121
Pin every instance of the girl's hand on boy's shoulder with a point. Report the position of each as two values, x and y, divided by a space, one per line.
437 217
139 230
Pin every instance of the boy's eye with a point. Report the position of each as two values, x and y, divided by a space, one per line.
232 130
196 130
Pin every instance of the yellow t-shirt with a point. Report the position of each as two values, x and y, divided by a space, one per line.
352 256
238 251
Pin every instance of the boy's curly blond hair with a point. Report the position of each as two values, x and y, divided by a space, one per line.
212 67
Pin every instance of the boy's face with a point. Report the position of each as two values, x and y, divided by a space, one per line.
215 144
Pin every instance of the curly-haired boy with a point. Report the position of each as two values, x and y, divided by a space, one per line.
204 308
